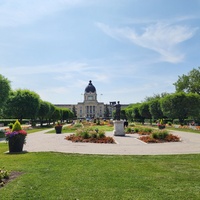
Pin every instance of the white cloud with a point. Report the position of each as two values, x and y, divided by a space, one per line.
19 12
160 37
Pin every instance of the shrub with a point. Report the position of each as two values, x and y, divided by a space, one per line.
159 134
2 133
169 123
101 134
3 175
90 135
128 130
132 124
136 130
78 125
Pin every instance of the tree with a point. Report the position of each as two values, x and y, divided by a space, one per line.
4 90
155 109
23 104
189 83
175 106
106 113
43 112
144 111
129 113
123 114
132 113
50 114
193 105
74 111
67 113
57 115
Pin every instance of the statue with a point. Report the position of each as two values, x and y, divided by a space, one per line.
118 110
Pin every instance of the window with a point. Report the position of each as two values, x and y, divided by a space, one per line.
90 98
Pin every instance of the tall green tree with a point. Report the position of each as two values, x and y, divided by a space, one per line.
189 83
43 111
155 109
4 90
144 111
23 104
193 101
175 106
57 115
74 111
106 113
66 114
51 112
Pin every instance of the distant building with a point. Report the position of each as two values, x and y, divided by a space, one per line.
90 107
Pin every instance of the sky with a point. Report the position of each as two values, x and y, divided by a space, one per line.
130 49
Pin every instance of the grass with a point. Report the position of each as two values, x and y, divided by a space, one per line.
71 129
58 176
37 129
183 129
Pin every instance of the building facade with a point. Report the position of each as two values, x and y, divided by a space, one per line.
90 107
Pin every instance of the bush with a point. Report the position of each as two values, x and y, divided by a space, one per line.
136 130
169 123
2 133
78 125
132 124
160 135
128 130
101 134
3 175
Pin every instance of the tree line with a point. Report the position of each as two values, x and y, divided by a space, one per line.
183 105
25 104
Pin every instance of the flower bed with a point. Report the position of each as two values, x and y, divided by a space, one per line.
160 137
90 135
75 138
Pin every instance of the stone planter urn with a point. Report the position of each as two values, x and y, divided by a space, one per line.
16 143
58 129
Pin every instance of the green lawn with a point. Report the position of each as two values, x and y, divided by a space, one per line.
70 129
56 176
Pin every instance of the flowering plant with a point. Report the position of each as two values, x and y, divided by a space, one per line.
161 124
58 124
10 134
16 131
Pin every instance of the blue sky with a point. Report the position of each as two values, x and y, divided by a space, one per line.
130 49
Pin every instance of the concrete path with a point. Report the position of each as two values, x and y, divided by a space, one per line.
127 145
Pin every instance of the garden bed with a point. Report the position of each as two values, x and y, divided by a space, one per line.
90 135
150 135
168 138
75 138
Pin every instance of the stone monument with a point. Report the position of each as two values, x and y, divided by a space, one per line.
118 124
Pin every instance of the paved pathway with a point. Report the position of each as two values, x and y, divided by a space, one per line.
127 145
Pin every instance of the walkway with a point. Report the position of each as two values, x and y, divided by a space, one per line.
127 145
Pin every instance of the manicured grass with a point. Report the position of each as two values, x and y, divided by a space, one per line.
183 129
69 129
37 129
61 176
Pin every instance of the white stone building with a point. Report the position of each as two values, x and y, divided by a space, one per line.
90 107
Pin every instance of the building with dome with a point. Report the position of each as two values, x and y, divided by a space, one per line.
90 107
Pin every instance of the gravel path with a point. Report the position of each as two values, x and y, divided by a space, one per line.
126 145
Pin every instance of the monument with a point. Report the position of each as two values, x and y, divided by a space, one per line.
118 123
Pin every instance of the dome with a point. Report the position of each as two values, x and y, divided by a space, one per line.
90 88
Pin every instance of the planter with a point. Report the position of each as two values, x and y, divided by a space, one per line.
161 126
16 143
58 129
